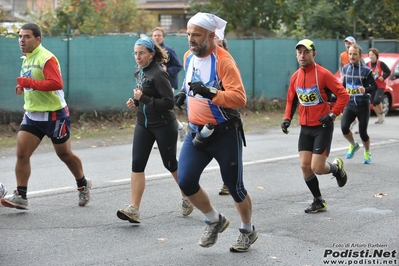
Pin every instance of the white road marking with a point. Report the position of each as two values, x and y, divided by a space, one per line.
213 168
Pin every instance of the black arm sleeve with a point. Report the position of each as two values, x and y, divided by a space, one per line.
386 70
294 106
371 82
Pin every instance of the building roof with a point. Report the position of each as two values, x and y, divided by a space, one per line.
163 4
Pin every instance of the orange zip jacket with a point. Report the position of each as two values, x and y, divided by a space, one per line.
344 58
225 76
311 87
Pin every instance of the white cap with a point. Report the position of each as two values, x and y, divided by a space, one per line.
210 22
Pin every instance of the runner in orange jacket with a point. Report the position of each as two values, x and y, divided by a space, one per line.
312 87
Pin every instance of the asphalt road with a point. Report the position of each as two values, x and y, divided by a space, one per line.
359 228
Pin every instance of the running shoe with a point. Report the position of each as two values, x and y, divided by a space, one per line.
186 207
3 191
129 214
353 124
84 194
352 150
367 157
340 175
381 119
15 201
244 241
317 206
224 191
210 235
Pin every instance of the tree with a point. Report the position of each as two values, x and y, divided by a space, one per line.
376 18
245 16
93 17
307 18
318 19
1 14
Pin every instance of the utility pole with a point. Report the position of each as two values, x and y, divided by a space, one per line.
13 8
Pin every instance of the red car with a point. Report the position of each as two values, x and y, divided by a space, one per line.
391 95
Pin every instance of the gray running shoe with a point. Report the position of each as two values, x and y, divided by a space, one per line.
15 201
3 191
381 119
317 206
182 133
210 235
129 214
340 175
84 193
186 207
244 241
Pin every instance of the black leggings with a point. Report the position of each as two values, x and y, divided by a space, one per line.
377 95
143 140
362 112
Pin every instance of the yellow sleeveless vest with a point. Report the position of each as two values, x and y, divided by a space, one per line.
32 67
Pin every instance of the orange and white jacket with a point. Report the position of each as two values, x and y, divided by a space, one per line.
218 70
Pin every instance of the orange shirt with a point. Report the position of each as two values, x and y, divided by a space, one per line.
344 58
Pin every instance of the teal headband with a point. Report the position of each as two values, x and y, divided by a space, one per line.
146 42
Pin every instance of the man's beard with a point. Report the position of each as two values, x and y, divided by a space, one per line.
202 48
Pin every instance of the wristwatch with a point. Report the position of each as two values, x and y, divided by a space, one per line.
332 115
213 90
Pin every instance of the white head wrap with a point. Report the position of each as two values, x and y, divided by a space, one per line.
210 22
219 33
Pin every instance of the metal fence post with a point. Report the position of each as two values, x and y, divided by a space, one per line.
253 65
68 35
371 42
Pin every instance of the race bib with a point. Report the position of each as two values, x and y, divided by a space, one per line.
353 89
309 96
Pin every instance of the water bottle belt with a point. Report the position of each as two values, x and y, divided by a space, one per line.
218 129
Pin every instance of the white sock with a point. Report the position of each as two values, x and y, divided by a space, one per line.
212 216
247 226
180 124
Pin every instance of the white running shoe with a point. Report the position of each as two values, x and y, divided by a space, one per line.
3 191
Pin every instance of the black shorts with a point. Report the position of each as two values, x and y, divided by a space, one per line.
376 96
57 130
316 139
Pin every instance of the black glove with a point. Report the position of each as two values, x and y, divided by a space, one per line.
285 125
199 88
179 99
326 120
